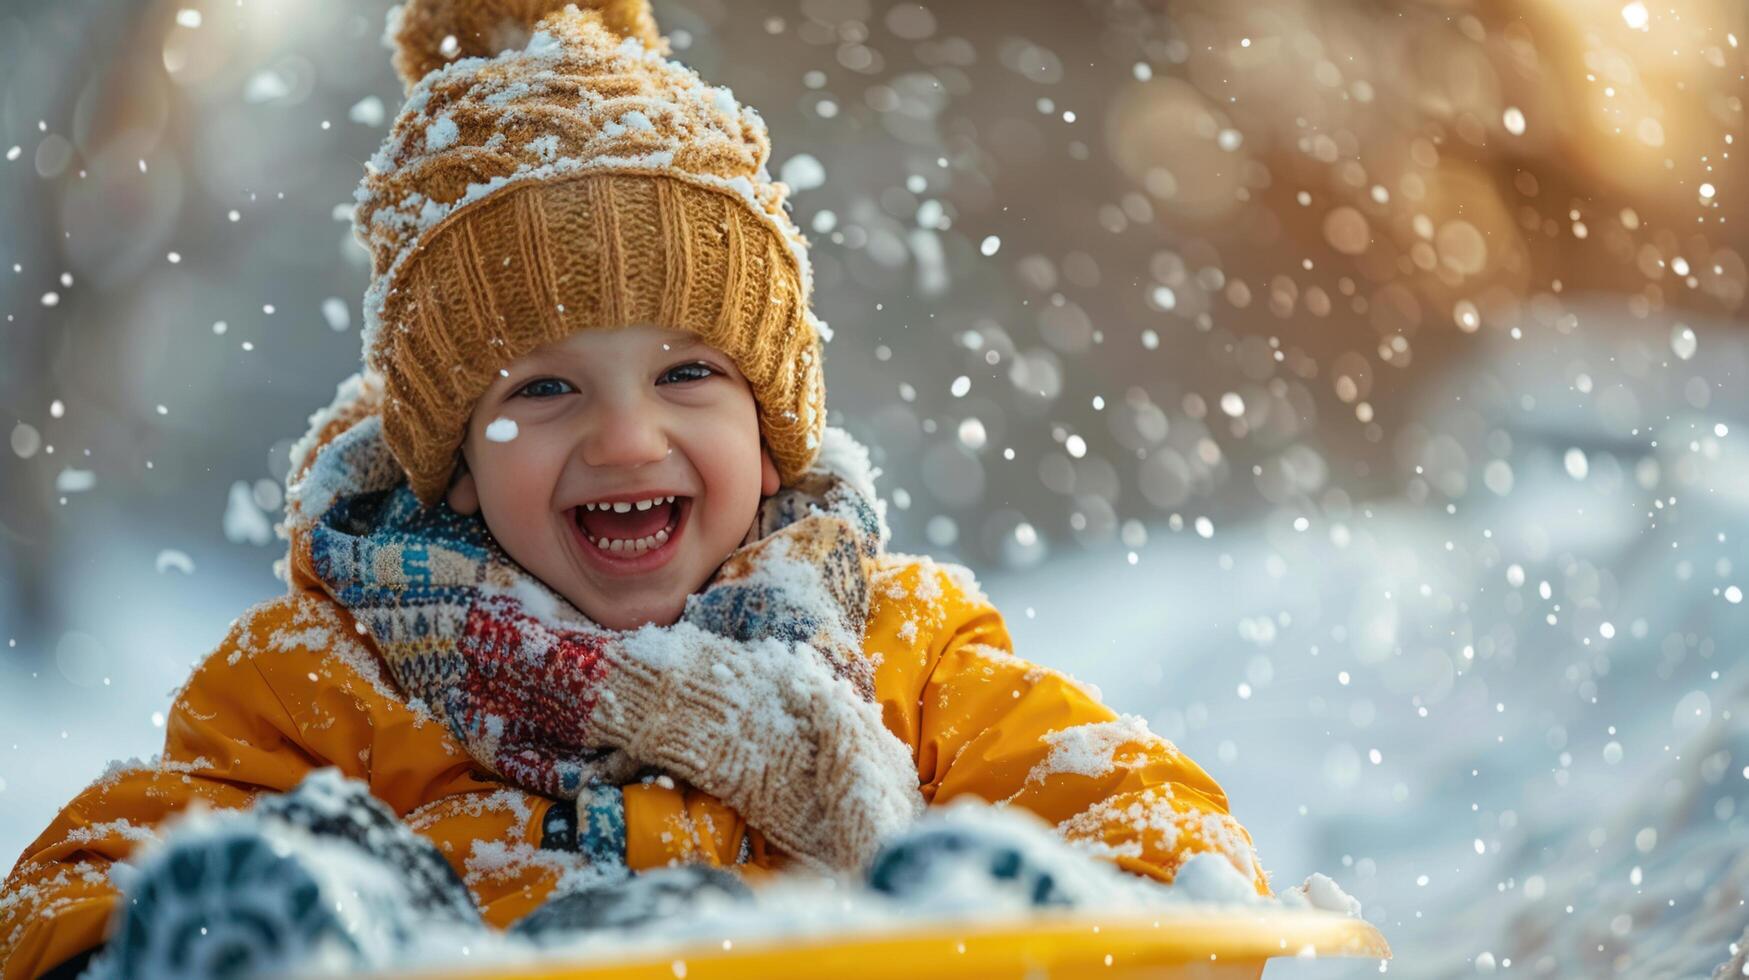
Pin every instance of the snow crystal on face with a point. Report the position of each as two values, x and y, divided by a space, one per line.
502 430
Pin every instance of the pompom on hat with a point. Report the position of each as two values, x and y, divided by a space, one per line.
552 171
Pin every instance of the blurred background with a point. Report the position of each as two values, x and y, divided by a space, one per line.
1356 389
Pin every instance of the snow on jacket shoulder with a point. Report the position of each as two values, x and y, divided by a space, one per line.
297 685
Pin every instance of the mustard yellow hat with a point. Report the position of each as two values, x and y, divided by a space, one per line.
552 171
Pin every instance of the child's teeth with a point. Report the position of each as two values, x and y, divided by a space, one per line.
646 504
622 507
633 546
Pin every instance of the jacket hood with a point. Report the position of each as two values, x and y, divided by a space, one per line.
341 454
358 532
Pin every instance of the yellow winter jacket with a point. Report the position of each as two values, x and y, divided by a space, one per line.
297 686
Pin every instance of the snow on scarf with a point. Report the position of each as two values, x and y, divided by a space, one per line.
759 695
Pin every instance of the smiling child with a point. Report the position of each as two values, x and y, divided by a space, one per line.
579 579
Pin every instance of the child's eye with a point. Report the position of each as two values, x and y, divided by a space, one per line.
545 388
680 373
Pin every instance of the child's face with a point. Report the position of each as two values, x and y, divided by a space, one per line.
610 417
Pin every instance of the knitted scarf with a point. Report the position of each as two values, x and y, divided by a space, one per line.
539 694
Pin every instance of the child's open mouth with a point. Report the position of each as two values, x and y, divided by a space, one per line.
629 534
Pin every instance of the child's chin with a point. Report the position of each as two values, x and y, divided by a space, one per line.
631 613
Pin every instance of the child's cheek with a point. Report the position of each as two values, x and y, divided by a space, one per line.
525 465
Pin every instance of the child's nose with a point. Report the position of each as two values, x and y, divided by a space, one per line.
624 435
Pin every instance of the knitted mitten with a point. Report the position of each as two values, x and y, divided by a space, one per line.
969 855
311 881
767 728
648 898
328 805
761 696
775 729
926 861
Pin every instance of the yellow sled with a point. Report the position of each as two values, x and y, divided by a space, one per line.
1207 946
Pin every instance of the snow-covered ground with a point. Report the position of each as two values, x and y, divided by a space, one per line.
1514 731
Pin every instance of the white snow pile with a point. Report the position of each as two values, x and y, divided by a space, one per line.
383 930
798 905
1320 892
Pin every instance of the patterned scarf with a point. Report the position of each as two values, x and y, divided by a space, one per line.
510 667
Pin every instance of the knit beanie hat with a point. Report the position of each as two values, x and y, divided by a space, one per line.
552 171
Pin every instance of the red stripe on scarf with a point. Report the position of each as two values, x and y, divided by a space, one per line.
542 691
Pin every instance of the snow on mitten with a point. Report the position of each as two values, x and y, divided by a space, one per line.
970 855
931 861
761 696
321 879
770 729
233 896
327 804
651 897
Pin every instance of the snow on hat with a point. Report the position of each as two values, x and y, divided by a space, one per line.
551 171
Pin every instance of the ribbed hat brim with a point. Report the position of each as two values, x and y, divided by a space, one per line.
539 260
